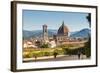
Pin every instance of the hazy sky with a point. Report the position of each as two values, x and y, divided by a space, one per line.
33 20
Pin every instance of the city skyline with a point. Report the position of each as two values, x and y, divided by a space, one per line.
34 19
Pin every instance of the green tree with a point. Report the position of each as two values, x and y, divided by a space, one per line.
88 43
55 53
89 19
44 46
88 47
65 51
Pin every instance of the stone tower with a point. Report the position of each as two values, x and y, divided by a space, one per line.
45 33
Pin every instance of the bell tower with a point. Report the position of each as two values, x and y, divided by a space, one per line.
45 33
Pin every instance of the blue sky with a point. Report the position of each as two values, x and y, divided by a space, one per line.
33 20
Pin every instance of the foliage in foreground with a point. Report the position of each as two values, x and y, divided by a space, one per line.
63 50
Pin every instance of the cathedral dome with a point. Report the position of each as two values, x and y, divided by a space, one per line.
63 30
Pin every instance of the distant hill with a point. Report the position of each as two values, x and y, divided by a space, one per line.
81 33
27 34
38 33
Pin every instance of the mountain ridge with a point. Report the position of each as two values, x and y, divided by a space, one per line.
38 33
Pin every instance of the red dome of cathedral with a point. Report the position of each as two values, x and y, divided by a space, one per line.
63 30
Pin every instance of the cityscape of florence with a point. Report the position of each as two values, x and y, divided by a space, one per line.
56 36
